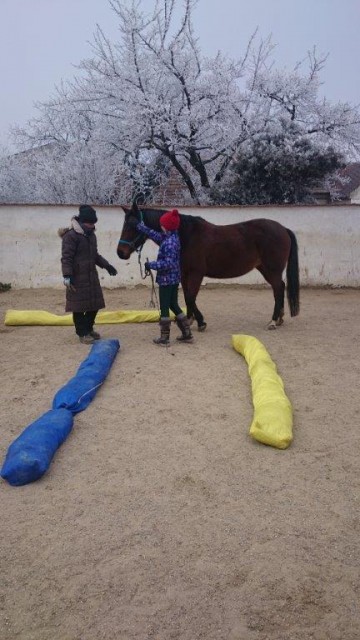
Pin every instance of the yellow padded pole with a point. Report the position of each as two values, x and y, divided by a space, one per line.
272 420
28 317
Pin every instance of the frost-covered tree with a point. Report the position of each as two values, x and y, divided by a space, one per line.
15 185
152 94
75 172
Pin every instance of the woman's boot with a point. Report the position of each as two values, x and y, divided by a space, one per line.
164 339
184 326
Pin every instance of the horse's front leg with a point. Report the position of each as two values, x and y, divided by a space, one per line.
191 285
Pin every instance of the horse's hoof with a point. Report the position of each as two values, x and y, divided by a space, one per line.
202 327
279 322
271 326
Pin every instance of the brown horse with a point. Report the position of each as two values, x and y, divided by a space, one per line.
225 251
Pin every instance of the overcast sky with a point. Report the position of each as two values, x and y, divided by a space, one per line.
42 40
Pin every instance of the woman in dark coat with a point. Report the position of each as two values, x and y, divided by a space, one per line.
79 259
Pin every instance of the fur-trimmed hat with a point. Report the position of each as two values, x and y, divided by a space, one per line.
87 214
170 220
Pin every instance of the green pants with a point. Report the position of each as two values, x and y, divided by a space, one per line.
168 296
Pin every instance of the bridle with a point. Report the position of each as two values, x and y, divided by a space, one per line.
132 243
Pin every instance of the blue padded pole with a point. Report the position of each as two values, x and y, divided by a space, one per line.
77 394
30 455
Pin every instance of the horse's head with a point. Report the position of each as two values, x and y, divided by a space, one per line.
130 239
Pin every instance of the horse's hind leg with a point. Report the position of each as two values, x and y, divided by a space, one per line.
278 315
278 287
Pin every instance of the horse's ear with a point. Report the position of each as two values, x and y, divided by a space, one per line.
126 210
135 208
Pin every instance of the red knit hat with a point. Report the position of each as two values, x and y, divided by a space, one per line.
170 220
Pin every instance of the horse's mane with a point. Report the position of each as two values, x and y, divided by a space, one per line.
185 218
188 220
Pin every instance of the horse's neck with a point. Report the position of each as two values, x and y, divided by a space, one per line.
151 218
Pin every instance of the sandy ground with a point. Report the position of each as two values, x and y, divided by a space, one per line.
159 516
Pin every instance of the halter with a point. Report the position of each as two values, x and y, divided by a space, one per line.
132 244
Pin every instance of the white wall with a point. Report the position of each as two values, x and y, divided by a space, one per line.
328 238
355 196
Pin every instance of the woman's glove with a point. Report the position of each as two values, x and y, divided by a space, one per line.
68 282
111 270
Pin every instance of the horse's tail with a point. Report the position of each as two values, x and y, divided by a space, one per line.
292 276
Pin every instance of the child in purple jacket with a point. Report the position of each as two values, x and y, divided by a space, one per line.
167 266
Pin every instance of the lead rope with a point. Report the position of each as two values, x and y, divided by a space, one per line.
154 302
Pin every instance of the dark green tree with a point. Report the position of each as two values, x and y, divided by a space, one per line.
277 167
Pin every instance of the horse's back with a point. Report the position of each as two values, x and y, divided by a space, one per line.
261 226
252 233
250 228
232 250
